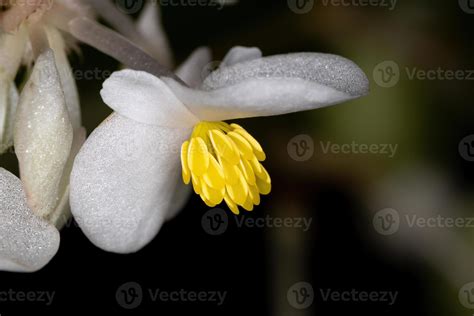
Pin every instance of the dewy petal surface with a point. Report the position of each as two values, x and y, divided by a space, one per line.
27 242
43 135
274 85
193 69
144 98
62 213
68 81
240 54
325 69
123 182
180 197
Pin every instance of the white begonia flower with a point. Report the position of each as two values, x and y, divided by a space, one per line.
34 208
44 121
126 179
44 125
27 242
11 52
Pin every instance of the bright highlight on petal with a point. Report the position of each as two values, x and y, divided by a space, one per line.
222 162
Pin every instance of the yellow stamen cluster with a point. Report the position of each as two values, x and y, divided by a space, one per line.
223 163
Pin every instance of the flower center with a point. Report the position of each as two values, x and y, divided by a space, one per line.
223 163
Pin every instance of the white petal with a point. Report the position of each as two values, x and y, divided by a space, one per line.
12 48
123 182
151 28
180 198
43 135
274 85
68 82
62 213
192 70
240 54
257 97
145 98
8 106
27 243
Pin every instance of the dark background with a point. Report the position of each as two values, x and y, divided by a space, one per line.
341 251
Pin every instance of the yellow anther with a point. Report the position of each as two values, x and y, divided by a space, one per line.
196 185
215 175
232 206
223 147
248 205
242 144
257 149
231 172
198 156
263 187
213 196
223 163
239 191
247 171
184 163
254 194
256 165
